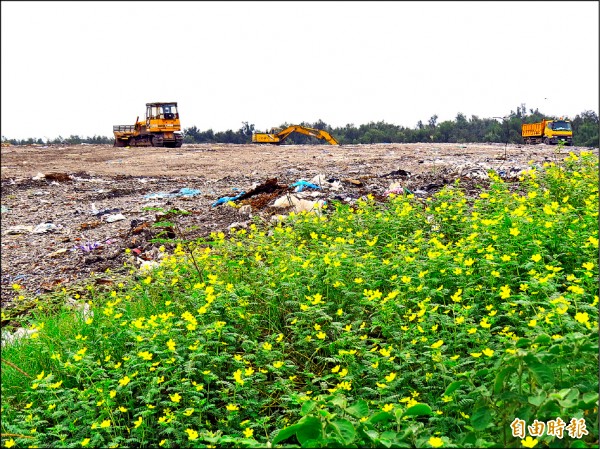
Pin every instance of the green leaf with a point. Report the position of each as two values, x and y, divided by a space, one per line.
481 373
418 410
359 409
340 401
501 376
285 433
453 387
590 397
309 429
578 444
523 343
344 429
569 397
307 407
537 400
380 417
542 339
373 434
543 373
481 418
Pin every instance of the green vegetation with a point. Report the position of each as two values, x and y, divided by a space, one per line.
460 130
413 323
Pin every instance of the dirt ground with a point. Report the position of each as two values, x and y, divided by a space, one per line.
58 201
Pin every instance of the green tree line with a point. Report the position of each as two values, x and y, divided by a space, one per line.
505 129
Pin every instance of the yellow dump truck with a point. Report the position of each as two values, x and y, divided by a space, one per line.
161 128
548 132
276 137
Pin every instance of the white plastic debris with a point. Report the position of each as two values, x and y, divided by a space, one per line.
114 217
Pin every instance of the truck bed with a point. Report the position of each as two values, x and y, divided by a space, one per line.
532 129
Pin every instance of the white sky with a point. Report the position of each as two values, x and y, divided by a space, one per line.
77 68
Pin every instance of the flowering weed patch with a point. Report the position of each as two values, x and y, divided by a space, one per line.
427 324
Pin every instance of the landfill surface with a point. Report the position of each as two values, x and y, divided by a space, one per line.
69 213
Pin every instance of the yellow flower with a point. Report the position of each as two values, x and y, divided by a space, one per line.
9 443
435 442
529 442
488 352
582 317
145 355
232 407
504 291
267 346
122 409
124 381
514 231
536 258
188 411
321 335
171 345
532 323
113 393
85 442
390 377
277 364
248 432
437 344
476 354
138 422
192 434
105 423
175 397
335 369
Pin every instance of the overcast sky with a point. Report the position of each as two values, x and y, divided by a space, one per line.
77 68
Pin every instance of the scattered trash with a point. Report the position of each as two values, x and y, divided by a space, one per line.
57 253
299 205
269 186
90 225
39 176
21 332
89 246
4 209
148 265
326 183
181 192
59 177
18 229
115 217
100 213
398 172
246 209
356 182
310 206
286 201
84 308
44 227
238 225
300 185
226 199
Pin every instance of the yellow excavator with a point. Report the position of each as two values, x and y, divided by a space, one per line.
276 137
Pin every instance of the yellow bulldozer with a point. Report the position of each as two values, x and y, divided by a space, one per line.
276 137
160 129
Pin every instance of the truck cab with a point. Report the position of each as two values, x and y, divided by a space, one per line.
558 131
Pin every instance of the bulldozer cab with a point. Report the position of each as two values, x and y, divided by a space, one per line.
161 111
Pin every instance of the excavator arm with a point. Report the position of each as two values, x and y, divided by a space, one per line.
279 137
